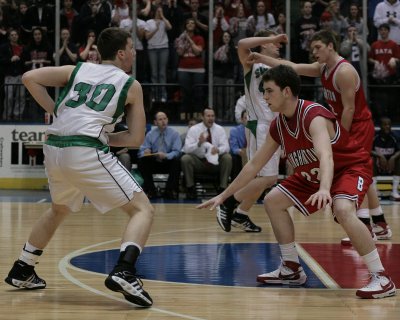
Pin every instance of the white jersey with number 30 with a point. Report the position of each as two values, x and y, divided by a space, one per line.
92 102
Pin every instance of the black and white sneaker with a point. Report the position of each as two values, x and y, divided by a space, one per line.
224 217
22 275
130 286
243 222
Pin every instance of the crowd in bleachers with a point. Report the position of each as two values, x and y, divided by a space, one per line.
172 45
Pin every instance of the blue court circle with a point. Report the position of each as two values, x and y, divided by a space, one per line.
232 264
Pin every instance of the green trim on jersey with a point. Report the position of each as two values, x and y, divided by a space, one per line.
252 126
247 78
76 141
122 98
67 87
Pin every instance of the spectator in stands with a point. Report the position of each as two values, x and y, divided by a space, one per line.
120 12
39 52
191 123
232 7
319 7
174 14
304 29
68 51
141 52
15 22
388 11
11 60
94 15
260 20
206 150
355 18
160 153
157 48
88 51
69 18
201 21
191 71
384 57
386 153
238 144
3 28
338 22
220 23
225 63
352 48
40 15
238 25
281 28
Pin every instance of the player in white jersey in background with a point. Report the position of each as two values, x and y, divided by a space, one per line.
78 162
260 117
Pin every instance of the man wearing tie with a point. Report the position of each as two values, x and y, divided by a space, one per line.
206 150
160 153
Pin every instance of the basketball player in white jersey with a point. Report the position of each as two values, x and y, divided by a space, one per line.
260 118
78 161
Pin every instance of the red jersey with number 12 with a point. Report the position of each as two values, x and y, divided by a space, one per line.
333 96
296 142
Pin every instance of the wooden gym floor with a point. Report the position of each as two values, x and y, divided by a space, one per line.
191 268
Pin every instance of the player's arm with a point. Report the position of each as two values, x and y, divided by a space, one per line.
304 69
37 80
347 81
321 129
135 119
246 44
249 171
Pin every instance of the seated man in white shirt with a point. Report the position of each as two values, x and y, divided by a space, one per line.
206 150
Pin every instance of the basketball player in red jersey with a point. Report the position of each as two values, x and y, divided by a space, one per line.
344 93
330 169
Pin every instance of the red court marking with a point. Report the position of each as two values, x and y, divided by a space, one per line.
346 267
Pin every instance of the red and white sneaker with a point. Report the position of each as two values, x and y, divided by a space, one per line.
382 231
289 272
380 286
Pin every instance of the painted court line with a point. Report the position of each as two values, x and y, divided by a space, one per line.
64 264
316 268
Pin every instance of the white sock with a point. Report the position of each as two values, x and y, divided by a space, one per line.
30 254
238 210
376 211
373 261
362 213
289 252
130 243
396 180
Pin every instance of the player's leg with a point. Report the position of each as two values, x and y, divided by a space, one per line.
22 274
247 197
123 277
380 285
290 271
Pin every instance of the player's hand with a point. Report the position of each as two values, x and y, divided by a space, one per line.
281 38
212 203
254 57
321 199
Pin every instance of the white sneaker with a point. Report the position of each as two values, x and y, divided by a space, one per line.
382 231
395 197
289 272
380 286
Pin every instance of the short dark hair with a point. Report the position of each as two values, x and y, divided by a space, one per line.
284 76
384 25
326 37
110 41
